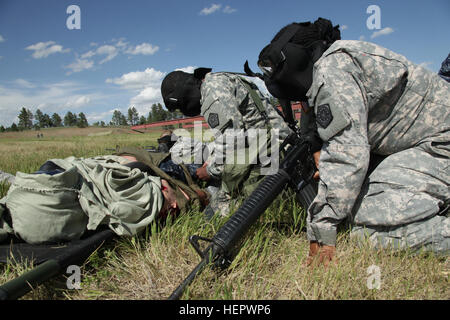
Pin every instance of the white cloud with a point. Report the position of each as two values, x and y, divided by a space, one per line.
44 49
382 32
120 42
24 83
79 65
143 48
77 102
144 85
88 54
106 50
88 59
229 9
213 8
147 96
138 80
48 97
100 116
343 27
216 7
2 39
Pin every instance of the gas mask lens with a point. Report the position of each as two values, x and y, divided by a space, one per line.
266 68
172 104
270 65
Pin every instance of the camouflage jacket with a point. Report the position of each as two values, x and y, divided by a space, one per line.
369 99
229 107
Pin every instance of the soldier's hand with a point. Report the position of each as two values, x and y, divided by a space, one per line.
320 254
203 197
202 174
316 156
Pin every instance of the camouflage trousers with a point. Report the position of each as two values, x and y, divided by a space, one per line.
404 202
238 181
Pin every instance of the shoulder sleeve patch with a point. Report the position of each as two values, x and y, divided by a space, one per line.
213 120
330 121
324 115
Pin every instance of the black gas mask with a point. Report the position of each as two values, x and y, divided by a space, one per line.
181 90
287 67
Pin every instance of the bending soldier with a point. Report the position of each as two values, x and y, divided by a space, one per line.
232 106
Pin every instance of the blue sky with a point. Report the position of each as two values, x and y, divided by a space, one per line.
124 48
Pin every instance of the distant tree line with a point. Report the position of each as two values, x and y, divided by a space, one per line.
132 118
38 120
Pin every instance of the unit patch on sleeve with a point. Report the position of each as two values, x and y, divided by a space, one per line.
213 120
324 115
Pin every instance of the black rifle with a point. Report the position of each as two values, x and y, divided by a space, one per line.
296 169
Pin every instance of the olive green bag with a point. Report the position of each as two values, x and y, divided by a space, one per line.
45 208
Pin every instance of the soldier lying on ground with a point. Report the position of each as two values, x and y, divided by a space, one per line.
67 197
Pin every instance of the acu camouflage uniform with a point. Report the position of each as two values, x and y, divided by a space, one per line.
369 99
232 105
187 150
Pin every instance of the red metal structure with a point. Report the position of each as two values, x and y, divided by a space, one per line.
191 122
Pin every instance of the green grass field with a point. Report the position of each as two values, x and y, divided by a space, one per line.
269 265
